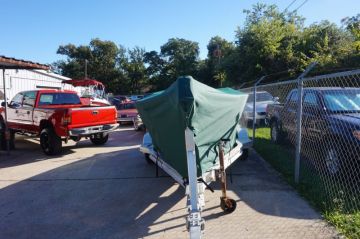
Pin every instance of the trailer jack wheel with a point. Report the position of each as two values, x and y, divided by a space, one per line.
228 205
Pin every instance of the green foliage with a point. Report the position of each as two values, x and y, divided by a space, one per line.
352 24
336 208
121 70
270 41
178 57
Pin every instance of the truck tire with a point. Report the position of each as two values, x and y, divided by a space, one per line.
3 139
50 143
333 157
275 132
12 140
99 139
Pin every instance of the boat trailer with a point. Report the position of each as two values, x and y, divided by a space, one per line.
195 186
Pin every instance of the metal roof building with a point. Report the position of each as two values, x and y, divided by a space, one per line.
25 77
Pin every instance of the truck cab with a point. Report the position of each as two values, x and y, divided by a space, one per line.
56 116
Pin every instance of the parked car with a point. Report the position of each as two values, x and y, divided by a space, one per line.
57 116
127 113
330 122
263 99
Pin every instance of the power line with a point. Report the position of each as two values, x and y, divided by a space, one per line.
300 6
290 5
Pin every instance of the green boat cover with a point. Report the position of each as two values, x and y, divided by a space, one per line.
211 114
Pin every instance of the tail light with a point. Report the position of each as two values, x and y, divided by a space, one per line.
66 119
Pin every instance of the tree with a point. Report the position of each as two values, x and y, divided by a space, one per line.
219 53
266 43
177 57
136 70
102 57
181 56
220 77
352 24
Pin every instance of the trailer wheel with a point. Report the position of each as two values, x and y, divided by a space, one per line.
99 139
136 127
147 158
228 205
245 154
50 142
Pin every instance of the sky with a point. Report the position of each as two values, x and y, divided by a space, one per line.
33 30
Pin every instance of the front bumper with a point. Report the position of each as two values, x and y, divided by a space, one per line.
85 131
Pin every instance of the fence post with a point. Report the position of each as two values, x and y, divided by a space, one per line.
299 120
254 106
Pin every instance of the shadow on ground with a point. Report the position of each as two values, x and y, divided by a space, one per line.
117 195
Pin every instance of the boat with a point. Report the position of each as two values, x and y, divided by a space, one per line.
90 91
194 135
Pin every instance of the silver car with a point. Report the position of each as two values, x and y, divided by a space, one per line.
263 99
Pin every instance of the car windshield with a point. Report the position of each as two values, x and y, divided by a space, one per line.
342 100
260 97
59 99
127 106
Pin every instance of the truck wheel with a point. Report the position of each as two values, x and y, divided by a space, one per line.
275 132
99 139
12 139
50 143
3 140
332 158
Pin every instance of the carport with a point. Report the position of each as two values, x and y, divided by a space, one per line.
7 63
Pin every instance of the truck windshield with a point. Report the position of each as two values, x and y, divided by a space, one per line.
262 96
342 100
59 99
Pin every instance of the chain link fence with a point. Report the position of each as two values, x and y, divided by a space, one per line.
320 130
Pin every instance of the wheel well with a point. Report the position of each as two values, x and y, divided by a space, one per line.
45 124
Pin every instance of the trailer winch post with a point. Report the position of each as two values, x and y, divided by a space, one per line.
227 204
195 223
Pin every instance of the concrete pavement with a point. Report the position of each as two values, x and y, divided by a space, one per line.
111 192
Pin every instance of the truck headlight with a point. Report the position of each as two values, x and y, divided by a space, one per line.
356 134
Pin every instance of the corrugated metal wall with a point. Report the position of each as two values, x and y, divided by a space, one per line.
21 80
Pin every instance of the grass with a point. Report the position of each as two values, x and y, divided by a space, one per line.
332 198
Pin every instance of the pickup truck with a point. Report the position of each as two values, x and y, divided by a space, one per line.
330 125
56 116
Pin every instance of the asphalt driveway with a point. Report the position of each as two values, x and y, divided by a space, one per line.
112 192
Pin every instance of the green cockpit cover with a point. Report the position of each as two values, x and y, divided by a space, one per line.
212 115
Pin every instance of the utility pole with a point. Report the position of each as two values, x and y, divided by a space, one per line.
217 53
86 62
